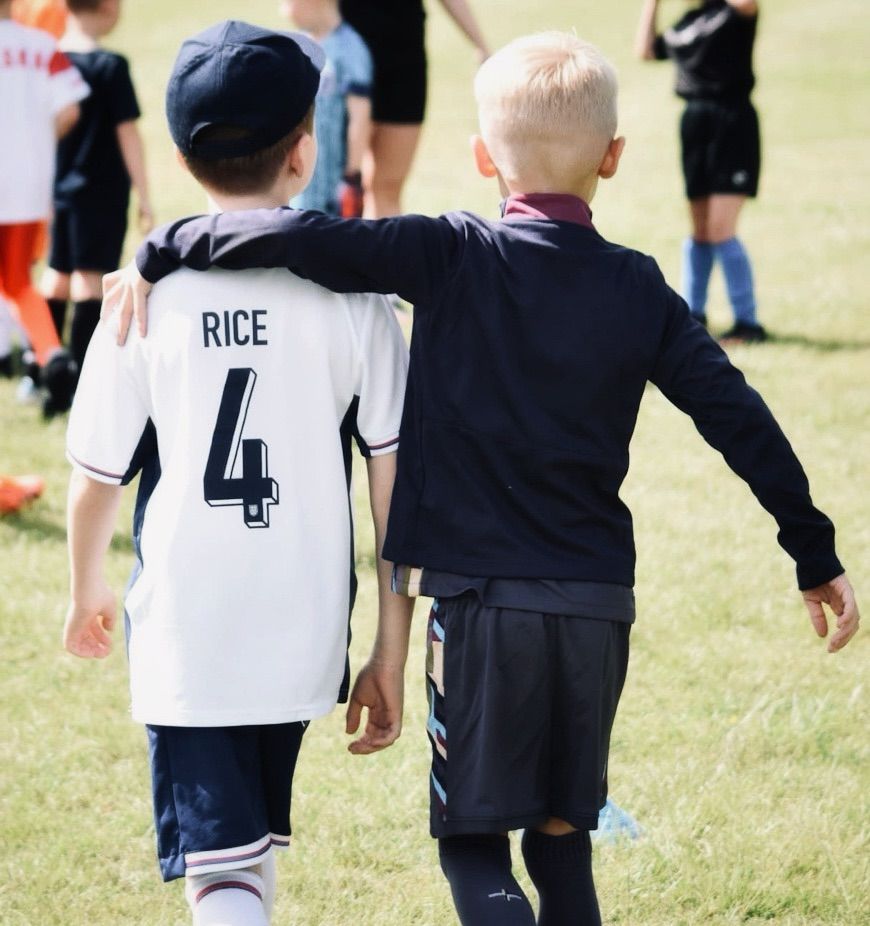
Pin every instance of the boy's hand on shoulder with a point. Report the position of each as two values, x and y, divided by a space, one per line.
381 689
125 296
840 598
89 622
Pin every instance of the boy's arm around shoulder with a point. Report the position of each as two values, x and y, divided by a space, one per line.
694 373
410 254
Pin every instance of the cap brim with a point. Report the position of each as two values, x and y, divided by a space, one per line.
312 49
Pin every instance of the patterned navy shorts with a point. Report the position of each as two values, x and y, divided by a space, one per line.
521 705
221 794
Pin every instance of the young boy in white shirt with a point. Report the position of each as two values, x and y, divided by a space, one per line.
239 411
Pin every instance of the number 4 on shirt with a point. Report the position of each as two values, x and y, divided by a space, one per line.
253 490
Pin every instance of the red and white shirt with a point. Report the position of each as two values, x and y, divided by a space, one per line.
37 81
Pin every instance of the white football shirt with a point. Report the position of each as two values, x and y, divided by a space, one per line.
253 381
36 82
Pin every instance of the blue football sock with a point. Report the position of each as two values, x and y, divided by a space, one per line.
485 893
561 869
738 279
698 257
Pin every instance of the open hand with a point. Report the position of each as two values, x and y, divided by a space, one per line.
125 295
840 598
89 623
380 689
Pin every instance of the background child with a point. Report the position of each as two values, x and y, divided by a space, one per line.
48 15
343 118
534 343
711 46
40 91
96 163
239 614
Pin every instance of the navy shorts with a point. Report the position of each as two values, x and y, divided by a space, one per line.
396 37
221 794
521 705
721 148
88 239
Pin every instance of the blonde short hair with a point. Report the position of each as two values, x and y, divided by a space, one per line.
547 102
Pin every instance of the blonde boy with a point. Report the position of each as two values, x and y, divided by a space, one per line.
534 340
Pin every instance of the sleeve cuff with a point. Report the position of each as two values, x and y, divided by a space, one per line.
95 473
378 448
820 571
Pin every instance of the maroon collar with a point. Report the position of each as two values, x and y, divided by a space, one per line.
560 207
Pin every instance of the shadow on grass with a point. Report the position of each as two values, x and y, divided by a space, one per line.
823 345
30 522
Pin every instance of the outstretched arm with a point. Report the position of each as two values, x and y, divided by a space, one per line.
92 508
647 30
697 376
460 12
380 685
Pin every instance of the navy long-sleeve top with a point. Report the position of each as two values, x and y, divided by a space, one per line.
533 341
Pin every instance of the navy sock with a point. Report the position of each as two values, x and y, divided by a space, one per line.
698 257
738 279
485 893
86 317
58 314
561 869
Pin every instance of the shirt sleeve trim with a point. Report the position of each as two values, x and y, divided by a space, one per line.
100 475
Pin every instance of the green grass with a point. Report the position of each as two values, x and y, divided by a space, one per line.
741 746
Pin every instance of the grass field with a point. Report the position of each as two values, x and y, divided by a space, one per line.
741 746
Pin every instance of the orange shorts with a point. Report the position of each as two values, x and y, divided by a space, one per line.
18 245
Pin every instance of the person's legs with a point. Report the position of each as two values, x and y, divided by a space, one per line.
723 215
387 165
87 291
698 257
485 892
226 898
55 286
17 244
559 861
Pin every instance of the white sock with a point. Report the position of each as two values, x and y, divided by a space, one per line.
227 898
267 872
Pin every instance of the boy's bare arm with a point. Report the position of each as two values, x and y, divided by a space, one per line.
460 12
91 511
349 195
65 119
380 684
359 131
133 153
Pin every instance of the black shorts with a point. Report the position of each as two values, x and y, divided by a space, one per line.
721 147
397 42
221 794
88 239
521 705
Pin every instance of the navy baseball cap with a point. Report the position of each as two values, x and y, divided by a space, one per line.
244 77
